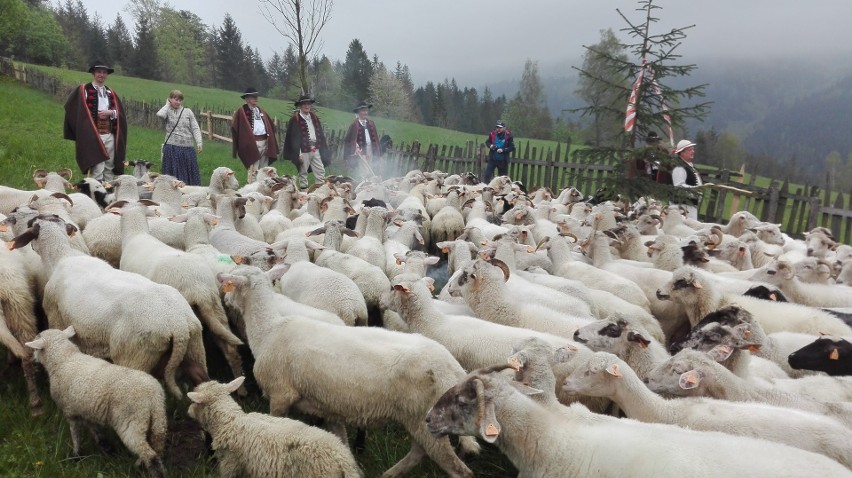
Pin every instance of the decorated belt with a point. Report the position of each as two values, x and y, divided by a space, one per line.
104 126
260 136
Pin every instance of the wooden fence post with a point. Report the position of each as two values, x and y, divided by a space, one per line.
814 212
210 125
772 203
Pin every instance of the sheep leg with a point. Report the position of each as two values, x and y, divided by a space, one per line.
338 429
440 450
229 466
28 366
133 434
74 425
402 467
279 404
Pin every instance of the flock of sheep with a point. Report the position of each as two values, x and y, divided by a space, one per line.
580 339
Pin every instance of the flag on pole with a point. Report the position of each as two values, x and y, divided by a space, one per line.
664 107
630 120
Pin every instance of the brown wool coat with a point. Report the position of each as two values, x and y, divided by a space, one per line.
244 145
80 127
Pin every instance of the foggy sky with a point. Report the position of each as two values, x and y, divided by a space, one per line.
480 42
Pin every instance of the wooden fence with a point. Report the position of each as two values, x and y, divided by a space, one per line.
798 208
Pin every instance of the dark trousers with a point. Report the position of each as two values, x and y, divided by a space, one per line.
502 166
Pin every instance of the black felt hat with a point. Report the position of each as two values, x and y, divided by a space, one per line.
361 106
304 99
99 65
652 137
250 91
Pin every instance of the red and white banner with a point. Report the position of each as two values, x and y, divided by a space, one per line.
630 120
664 107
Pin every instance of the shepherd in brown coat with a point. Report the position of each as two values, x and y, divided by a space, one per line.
305 144
94 119
253 135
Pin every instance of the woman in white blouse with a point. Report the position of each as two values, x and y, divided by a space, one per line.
179 152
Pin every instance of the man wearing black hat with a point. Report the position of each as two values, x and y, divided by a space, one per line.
305 143
253 135
500 143
95 121
361 137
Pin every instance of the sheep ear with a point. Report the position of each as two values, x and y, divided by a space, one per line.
351 233
69 331
614 371
234 384
195 397
36 344
276 272
23 239
563 354
525 389
70 229
689 380
786 270
515 362
720 353
314 245
401 288
634 337
697 284
430 283
489 427
316 232
834 355
240 260
431 260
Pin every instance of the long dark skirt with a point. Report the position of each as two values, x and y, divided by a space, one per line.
182 163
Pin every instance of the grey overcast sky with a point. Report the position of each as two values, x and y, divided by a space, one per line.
479 41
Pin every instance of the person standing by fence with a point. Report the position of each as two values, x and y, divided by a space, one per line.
500 143
95 121
684 175
178 155
305 144
253 135
361 138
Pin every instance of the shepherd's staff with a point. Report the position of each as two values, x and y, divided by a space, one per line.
364 161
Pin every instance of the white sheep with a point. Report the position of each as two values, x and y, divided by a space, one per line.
258 445
624 336
188 273
448 223
543 443
90 391
225 236
127 318
370 246
310 284
360 375
484 289
692 373
17 317
699 294
605 375
783 275
813 270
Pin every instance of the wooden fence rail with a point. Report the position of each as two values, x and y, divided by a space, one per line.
798 208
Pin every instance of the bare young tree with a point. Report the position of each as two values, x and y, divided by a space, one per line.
300 22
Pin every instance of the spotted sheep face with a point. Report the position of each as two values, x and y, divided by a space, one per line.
455 413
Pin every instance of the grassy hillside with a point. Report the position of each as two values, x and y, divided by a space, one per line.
200 99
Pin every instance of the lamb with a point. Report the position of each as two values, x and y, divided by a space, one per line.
700 294
91 391
783 275
813 270
605 375
131 320
225 236
483 287
187 273
278 219
831 355
542 443
691 373
388 376
309 284
255 444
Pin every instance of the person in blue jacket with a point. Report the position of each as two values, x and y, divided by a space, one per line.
500 143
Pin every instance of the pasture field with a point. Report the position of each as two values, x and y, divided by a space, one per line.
200 98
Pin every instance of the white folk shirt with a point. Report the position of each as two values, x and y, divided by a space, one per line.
259 127
679 177
312 133
366 133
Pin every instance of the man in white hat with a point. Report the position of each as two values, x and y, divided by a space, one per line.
684 175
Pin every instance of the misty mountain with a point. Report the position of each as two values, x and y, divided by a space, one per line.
782 108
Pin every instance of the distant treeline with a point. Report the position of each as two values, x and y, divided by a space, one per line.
173 45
